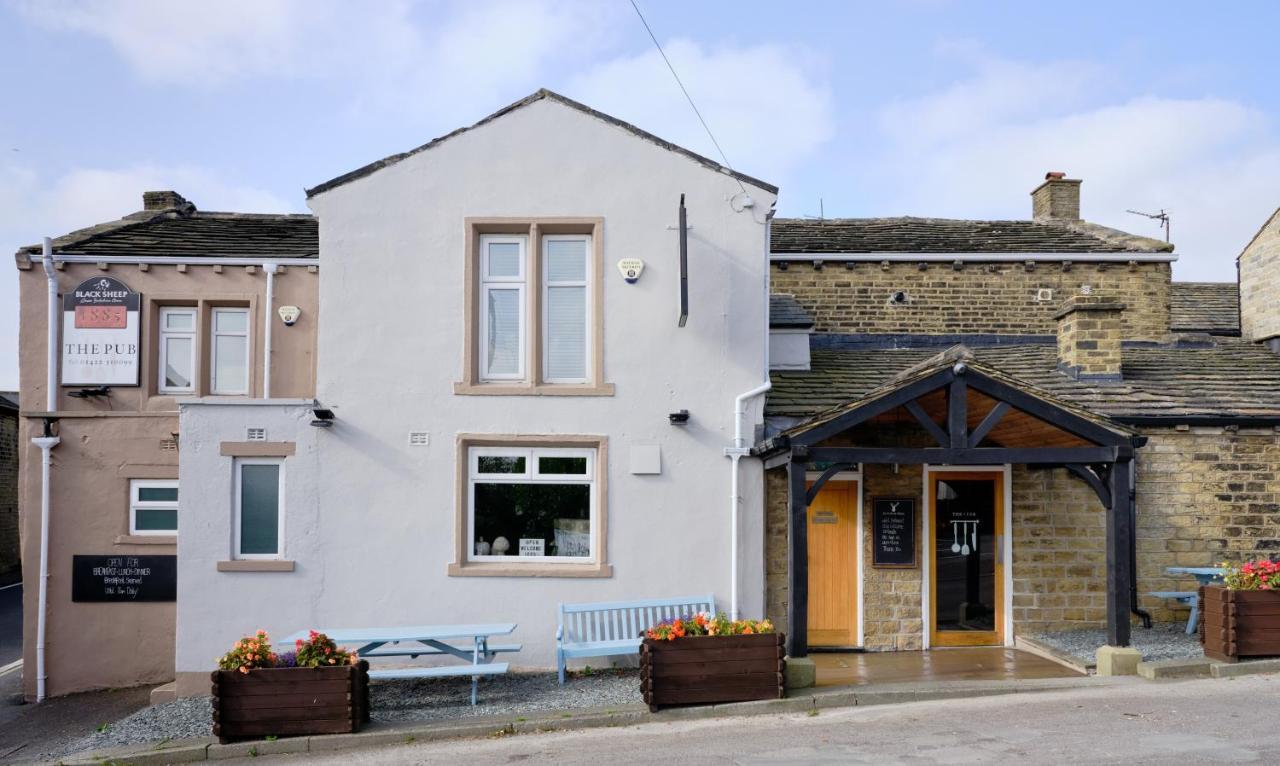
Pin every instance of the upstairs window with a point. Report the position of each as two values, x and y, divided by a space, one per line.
502 307
565 283
177 350
230 352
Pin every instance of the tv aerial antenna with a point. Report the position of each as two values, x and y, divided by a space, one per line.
1162 217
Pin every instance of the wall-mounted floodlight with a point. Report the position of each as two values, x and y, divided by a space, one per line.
324 417
680 418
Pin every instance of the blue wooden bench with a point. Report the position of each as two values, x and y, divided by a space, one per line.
610 628
1186 597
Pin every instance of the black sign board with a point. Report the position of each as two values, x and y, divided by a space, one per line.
124 578
893 532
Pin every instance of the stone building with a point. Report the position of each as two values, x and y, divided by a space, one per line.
9 559
1113 414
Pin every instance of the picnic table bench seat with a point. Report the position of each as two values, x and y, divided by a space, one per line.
443 671
1187 597
396 650
611 628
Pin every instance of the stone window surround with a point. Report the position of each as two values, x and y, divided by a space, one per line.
533 384
461 567
234 450
205 304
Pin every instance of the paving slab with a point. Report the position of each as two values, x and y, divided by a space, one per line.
1160 670
1244 668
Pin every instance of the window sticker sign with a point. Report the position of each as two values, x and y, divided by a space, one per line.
100 328
532 546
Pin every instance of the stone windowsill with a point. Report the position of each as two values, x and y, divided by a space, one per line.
256 565
146 539
464 388
529 570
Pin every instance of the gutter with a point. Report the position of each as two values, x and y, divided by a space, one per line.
1171 421
978 257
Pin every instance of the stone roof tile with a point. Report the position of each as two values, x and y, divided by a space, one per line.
1211 307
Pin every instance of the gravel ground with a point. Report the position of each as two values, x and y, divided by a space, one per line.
421 700
1164 641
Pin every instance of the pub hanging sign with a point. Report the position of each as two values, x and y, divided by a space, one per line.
100 322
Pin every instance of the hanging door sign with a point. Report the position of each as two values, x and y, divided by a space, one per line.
893 532
100 322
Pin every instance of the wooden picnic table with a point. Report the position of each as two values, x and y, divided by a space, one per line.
423 640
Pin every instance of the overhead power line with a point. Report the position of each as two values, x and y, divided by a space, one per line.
723 157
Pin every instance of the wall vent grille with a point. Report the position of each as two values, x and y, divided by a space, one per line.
255 434
419 438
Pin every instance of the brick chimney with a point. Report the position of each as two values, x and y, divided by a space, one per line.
1090 330
1058 198
164 200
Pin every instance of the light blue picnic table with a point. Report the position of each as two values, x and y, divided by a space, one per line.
1204 576
420 640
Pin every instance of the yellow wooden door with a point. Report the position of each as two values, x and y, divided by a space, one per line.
833 565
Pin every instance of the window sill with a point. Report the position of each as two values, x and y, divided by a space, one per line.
255 565
530 570
146 539
528 389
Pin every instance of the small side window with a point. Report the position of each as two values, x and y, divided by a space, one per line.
259 508
153 507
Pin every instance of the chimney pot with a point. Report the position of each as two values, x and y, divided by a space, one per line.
1058 198
164 200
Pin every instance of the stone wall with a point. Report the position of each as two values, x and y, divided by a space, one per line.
978 298
1059 552
9 559
1260 283
891 597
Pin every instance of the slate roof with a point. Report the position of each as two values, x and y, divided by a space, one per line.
540 95
1212 307
184 232
786 311
946 235
1229 378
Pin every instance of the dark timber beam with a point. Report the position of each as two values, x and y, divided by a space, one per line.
826 476
988 423
889 401
1050 413
797 562
927 423
958 413
1119 556
1095 477
965 455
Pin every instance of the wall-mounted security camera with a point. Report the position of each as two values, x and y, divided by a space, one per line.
289 315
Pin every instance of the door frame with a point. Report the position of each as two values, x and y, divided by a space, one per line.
1004 628
855 478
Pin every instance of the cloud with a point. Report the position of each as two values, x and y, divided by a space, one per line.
977 147
767 108
33 206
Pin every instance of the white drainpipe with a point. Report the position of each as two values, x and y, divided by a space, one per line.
46 445
270 268
740 447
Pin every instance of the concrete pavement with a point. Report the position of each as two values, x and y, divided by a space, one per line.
1203 721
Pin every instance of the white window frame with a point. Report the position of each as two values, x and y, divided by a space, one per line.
489 283
164 334
585 284
214 334
531 475
239 464
136 504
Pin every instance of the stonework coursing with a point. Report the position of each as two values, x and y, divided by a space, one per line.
1260 283
979 298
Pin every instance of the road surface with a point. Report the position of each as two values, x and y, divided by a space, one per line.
1208 721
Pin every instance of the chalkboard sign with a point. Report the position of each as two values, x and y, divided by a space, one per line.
893 532
124 578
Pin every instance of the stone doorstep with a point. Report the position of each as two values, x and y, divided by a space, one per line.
164 693
378 735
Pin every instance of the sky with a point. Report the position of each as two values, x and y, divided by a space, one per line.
943 108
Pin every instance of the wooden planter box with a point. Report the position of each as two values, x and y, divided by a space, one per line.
1240 623
706 669
287 702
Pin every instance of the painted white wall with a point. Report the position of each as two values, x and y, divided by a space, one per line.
789 349
371 519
